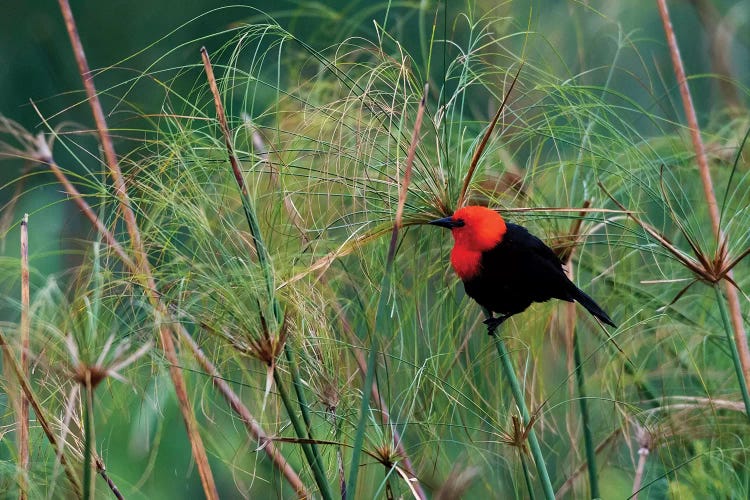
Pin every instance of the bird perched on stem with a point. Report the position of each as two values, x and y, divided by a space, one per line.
505 268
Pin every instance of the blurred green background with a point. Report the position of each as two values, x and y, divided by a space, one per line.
38 65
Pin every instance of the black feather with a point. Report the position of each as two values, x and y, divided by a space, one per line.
521 270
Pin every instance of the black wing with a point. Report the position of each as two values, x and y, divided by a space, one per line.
520 270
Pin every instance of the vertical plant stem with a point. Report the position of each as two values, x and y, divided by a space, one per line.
352 339
587 436
381 316
639 470
527 477
23 420
568 484
515 388
359 438
733 348
305 409
88 402
265 264
738 325
320 479
740 337
572 334
141 259
340 460
692 119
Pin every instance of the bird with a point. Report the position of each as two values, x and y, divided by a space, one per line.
505 268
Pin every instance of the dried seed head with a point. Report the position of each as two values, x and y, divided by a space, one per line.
89 376
387 455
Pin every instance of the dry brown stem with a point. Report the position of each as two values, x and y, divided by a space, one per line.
241 410
740 337
23 421
143 270
483 143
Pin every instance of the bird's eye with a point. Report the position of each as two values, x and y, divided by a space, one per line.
459 223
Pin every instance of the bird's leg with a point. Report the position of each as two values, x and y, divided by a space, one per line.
493 322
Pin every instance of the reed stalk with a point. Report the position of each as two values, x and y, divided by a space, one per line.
515 387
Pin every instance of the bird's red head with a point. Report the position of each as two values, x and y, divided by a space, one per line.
475 230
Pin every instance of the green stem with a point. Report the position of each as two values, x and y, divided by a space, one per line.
515 388
320 477
359 438
733 348
527 476
299 389
587 436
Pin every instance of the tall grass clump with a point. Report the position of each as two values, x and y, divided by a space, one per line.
261 274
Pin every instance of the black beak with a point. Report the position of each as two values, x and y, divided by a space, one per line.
447 222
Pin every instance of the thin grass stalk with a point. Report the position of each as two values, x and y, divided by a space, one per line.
515 387
44 424
640 469
247 205
485 138
527 476
572 333
318 473
142 265
692 119
305 409
353 341
566 486
733 348
44 155
105 140
101 470
88 402
740 337
381 317
252 425
588 438
359 438
265 265
340 457
385 416
23 421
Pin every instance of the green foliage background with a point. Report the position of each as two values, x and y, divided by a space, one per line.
332 89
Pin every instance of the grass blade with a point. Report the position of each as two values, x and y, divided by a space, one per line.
733 348
587 436
363 414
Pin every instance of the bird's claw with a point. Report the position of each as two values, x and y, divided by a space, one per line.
493 322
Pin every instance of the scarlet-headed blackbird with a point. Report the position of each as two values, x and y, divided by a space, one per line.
505 268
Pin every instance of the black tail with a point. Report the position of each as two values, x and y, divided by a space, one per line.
592 307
